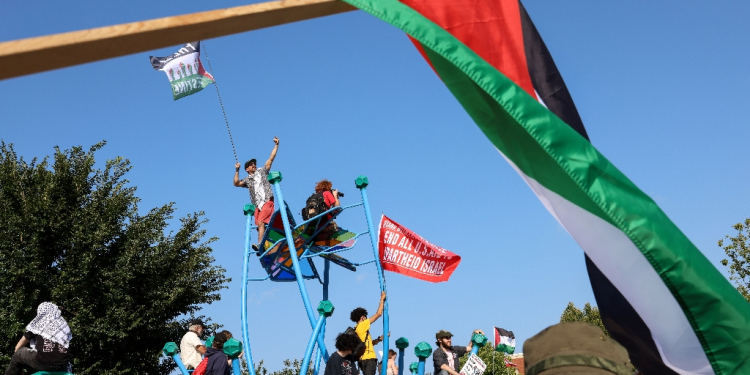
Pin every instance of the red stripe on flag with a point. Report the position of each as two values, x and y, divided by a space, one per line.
422 52
491 28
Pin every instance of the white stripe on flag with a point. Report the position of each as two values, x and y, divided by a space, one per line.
631 273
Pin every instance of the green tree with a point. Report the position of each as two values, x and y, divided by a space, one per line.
291 367
738 251
495 361
589 314
72 234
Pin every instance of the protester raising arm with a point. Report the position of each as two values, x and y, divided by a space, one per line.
273 154
378 313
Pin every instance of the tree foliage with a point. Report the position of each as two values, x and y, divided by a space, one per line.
72 234
589 314
291 367
495 361
738 253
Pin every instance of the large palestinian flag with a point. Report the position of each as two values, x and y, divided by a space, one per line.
659 296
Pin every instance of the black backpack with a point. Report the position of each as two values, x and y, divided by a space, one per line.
359 351
314 206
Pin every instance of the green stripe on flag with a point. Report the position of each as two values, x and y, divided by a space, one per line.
505 348
546 149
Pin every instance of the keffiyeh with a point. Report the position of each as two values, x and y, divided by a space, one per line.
50 324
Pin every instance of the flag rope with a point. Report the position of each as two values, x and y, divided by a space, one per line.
220 102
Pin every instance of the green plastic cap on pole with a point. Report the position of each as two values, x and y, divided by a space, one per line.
413 367
249 209
361 182
274 177
325 308
422 350
402 343
479 340
233 348
170 349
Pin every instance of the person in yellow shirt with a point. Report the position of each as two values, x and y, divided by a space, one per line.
368 363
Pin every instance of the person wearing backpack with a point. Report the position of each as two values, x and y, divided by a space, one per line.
368 362
341 362
324 198
218 362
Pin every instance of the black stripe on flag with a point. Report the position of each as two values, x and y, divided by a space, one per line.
545 77
505 333
620 318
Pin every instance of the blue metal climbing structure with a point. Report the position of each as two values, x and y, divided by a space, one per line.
310 238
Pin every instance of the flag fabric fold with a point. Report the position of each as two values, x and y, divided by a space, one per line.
184 70
505 341
695 319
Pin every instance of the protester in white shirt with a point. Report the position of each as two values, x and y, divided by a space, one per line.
191 346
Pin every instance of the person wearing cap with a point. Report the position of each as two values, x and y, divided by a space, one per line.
191 346
574 348
445 357
261 194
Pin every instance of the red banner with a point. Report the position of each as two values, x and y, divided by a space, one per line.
405 252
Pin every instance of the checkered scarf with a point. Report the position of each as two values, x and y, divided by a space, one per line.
50 324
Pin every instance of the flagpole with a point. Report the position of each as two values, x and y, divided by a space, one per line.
494 345
205 51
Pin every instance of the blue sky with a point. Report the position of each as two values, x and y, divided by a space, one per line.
661 88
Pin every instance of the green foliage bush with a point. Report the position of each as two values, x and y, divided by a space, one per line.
72 234
589 314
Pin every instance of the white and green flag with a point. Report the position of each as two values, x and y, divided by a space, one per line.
184 70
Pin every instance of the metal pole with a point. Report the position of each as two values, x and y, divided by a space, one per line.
402 343
178 361
325 309
420 367
361 182
326 273
400 361
318 353
249 210
311 345
275 178
422 351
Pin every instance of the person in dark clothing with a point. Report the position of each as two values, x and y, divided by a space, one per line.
446 357
49 338
342 362
217 360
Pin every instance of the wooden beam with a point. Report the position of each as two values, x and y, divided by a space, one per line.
34 55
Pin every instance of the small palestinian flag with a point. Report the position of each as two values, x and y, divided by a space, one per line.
659 296
184 70
505 341
508 363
